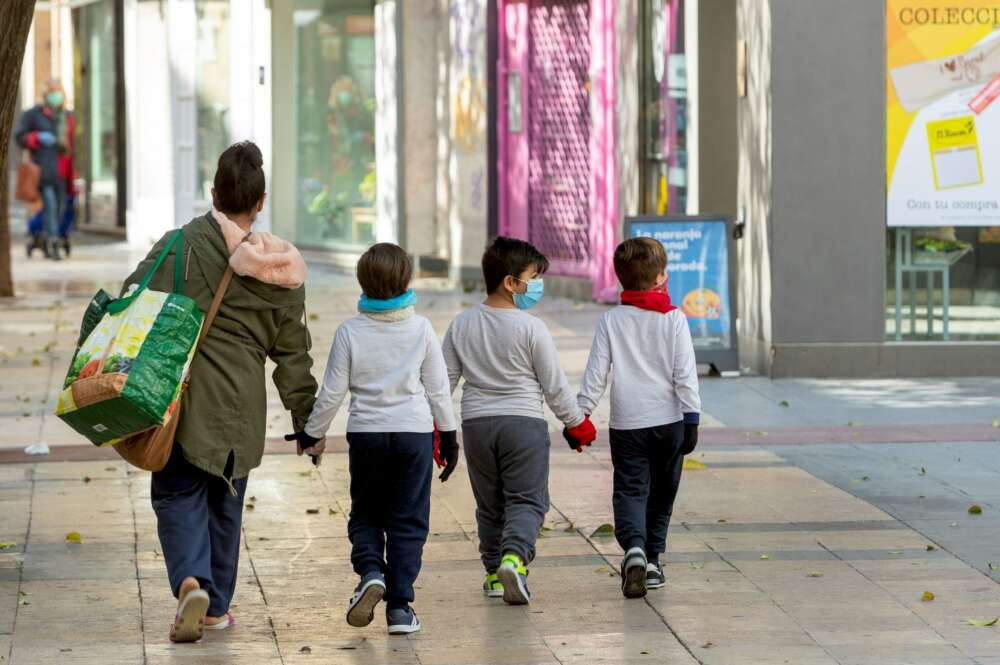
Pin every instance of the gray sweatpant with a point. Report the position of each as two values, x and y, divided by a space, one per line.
508 460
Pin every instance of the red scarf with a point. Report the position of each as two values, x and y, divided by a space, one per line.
654 300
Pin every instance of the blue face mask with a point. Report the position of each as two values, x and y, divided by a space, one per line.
530 298
366 304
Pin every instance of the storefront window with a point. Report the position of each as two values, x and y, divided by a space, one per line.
335 122
664 101
95 159
212 90
943 175
954 266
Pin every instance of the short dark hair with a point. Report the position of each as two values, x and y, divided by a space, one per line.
239 178
384 271
638 261
509 256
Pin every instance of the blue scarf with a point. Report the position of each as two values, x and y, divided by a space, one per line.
407 299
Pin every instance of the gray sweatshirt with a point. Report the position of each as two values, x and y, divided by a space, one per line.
509 363
396 376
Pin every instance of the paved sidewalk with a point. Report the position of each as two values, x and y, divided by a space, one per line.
767 564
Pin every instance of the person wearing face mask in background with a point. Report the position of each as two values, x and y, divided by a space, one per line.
46 131
509 362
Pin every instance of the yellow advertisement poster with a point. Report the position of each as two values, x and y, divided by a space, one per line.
943 112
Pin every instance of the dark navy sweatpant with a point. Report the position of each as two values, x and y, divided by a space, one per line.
199 520
648 465
390 507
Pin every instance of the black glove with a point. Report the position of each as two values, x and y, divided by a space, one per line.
690 438
448 452
305 441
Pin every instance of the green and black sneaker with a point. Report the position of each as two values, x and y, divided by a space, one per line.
492 587
513 576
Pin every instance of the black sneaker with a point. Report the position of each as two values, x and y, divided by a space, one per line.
654 576
367 595
402 620
634 573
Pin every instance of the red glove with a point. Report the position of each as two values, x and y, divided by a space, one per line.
437 447
580 435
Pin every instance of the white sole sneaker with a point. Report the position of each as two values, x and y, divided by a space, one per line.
405 628
657 582
361 611
634 573
515 591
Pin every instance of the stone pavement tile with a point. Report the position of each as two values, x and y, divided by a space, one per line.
762 654
595 646
896 654
8 606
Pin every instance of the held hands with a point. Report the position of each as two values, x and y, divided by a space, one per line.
445 452
310 445
690 438
581 435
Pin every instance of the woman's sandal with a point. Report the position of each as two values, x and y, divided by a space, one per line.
189 622
230 620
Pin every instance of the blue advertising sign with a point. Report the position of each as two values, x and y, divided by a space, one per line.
698 266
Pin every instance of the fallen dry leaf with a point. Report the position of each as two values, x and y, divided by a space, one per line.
975 509
991 565
306 650
36 362
707 645
331 511
601 569
312 511
693 464
895 551
983 623
931 548
73 537
250 506
814 574
6 544
603 531
764 557
927 597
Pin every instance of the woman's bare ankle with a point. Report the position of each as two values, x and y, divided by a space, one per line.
187 586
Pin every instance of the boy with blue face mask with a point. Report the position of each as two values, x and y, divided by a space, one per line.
509 362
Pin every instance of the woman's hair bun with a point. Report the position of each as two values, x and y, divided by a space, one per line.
239 178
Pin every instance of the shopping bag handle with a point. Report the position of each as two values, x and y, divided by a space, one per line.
121 304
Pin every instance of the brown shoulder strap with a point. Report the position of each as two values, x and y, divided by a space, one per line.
220 291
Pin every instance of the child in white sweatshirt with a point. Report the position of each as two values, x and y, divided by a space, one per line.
645 345
390 361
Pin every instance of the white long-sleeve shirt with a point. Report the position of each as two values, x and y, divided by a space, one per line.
509 363
654 378
395 374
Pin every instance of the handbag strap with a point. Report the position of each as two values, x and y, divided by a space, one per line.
213 309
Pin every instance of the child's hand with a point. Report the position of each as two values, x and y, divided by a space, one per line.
690 438
312 446
445 452
581 435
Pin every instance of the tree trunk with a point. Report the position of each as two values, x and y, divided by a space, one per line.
15 17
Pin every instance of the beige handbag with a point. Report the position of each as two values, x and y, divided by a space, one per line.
150 450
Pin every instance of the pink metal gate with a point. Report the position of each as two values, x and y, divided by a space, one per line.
555 129
559 133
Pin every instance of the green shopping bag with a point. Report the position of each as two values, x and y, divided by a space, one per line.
127 373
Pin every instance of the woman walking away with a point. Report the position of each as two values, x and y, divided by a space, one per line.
198 496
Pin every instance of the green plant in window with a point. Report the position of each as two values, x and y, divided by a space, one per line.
367 187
